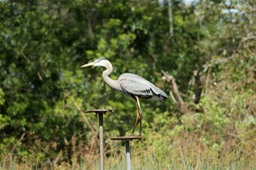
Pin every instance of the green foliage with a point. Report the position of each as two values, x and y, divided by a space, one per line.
44 92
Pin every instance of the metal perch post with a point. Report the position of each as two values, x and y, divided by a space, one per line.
127 140
100 113
128 154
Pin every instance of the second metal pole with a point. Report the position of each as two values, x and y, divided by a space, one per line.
101 141
128 155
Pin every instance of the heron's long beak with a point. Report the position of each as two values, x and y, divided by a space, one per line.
87 65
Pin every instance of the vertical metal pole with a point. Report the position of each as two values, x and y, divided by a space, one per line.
128 155
101 141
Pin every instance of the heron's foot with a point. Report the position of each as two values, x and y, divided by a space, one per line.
132 134
136 135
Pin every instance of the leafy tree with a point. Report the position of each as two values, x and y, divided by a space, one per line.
44 92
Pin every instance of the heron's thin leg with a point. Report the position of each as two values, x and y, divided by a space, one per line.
137 114
140 113
135 125
136 122
140 122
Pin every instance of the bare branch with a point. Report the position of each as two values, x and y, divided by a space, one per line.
174 88
85 119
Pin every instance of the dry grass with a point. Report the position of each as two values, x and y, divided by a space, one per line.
182 156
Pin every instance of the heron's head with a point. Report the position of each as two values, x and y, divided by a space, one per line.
99 62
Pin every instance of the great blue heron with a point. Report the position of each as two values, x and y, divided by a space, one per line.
131 84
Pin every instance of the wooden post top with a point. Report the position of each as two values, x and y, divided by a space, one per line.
126 138
102 111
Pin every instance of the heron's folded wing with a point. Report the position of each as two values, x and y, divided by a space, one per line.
136 85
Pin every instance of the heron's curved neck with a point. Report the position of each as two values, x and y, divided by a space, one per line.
112 83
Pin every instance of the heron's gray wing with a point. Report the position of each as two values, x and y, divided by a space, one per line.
136 85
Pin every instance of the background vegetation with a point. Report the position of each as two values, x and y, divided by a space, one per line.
208 46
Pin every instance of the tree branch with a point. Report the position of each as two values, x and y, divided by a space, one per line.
174 88
198 87
175 94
